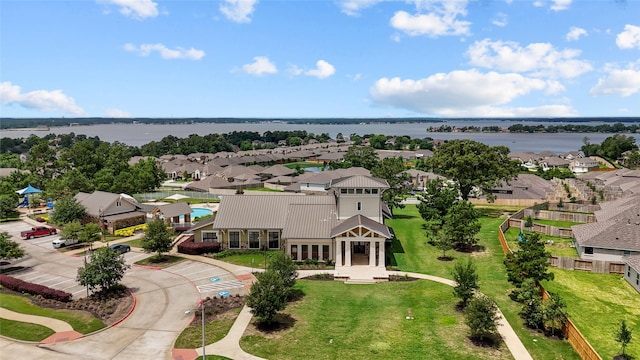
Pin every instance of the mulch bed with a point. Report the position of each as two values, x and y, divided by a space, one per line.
214 306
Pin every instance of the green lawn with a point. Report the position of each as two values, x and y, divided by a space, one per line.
191 337
253 258
557 223
413 253
559 247
303 164
334 320
82 322
162 262
134 243
24 331
596 304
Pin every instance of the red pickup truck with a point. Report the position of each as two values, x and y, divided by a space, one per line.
38 231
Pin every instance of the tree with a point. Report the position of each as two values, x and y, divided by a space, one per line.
530 262
267 296
67 210
623 336
473 164
462 224
393 170
283 265
481 316
466 278
613 146
529 296
444 243
90 233
8 203
435 203
104 270
361 156
554 313
157 237
632 159
71 230
9 249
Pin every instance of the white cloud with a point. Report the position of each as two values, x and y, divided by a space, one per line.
353 7
117 113
575 33
239 11
323 70
433 18
42 100
629 38
539 59
165 52
500 20
623 82
261 65
139 9
538 3
558 5
461 92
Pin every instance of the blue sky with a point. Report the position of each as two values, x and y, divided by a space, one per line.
369 58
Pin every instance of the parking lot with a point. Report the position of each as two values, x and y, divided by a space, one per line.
208 279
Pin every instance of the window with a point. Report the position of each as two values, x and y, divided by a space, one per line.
367 191
359 205
209 236
254 240
294 252
325 252
234 239
350 191
314 252
374 191
305 252
274 240
629 271
118 203
626 252
588 250
343 191
358 191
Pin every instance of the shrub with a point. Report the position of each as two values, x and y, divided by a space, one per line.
198 248
18 285
129 231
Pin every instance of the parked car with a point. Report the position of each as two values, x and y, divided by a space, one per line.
121 248
58 243
38 231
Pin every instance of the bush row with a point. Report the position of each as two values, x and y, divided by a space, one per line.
128 231
18 285
198 248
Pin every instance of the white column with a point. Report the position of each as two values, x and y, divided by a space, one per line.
338 252
347 252
372 253
381 256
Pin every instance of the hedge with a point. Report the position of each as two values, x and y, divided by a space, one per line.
198 248
18 285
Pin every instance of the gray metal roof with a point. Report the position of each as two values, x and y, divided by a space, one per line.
359 181
313 221
359 220
261 211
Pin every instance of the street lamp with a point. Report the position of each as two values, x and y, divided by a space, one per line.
201 306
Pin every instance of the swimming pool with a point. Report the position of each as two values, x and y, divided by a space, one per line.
199 212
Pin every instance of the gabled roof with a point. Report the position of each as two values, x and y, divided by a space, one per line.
359 220
101 199
278 170
202 224
633 261
262 211
313 221
173 209
359 181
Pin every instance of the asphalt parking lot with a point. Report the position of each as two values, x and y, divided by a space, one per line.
209 280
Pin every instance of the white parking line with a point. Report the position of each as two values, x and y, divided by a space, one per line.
61 282
184 269
221 276
38 275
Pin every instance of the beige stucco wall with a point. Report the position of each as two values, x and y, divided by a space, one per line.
347 206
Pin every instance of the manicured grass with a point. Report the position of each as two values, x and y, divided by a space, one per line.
81 321
24 331
557 223
253 258
303 164
596 304
559 247
191 337
413 253
134 243
164 261
494 210
334 320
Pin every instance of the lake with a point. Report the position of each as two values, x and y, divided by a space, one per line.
140 134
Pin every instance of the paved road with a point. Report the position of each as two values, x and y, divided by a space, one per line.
163 297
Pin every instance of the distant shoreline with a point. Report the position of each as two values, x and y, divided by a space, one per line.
34 123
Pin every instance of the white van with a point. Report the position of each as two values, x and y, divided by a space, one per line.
58 243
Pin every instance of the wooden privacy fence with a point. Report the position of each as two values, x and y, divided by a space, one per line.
595 266
569 330
542 228
561 215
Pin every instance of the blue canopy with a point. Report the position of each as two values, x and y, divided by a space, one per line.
29 190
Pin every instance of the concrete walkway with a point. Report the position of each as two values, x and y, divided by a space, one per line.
63 331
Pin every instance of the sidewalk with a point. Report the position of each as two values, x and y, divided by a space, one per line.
63 331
